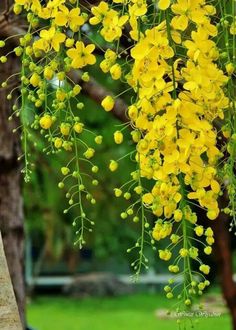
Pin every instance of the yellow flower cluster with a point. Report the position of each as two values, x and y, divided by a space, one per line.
161 230
176 105
164 198
180 93
63 19
111 20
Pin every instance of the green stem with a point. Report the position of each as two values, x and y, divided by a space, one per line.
168 28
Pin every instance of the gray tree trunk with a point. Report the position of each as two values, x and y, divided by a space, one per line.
9 315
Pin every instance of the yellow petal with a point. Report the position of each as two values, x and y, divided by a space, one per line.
190 85
90 59
215 186
90 48
180 22
164 4
147 198
60 19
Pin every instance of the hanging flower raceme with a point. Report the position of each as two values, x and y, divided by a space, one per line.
182 86
50 51
180 93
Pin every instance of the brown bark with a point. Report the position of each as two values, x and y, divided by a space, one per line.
223 257
11 215
97 93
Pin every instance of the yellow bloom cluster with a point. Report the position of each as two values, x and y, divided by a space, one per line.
161 230
164 198
63 18
178 137
180 94
111 20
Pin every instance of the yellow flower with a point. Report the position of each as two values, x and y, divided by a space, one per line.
233 28
17 9
199 230
118 137
110 55
69 42
183 252
215 186
161 230
208 250
58 143
71 18
113 165
139 8
165 254
138 190
81 55
180 22
67 145
89 153
205 269
193 252
209 232
178 215
61 94
25 3
173 268
108 62
99 13
65 170
121 1
213 214
98 139
55 3
210 240
49 39
76 89
46 121
186 10
135 135
65 128
115 71
48 73
174 238
230 68
35 79
200 48
108 103
112 26
147 198
78 127
118 192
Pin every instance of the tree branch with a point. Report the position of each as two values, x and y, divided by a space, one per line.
97 93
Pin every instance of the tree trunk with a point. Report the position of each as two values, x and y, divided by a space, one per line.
11 215
9 316
223 256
